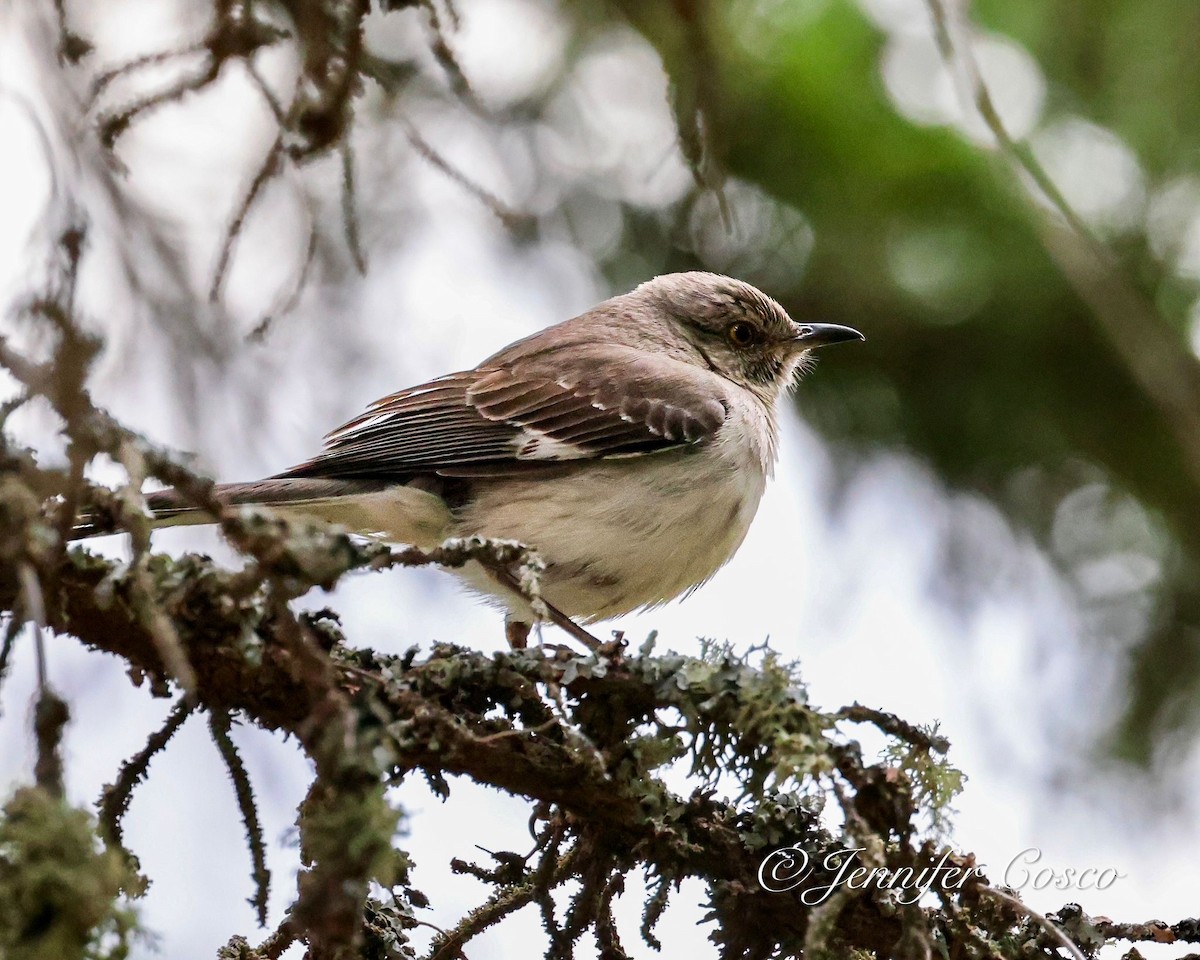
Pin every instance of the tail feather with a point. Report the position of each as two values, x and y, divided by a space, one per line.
403 513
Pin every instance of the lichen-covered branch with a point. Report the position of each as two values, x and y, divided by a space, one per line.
585 738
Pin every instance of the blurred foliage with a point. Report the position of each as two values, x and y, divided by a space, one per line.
983 358
59 890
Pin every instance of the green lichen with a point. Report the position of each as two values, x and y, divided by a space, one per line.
60 890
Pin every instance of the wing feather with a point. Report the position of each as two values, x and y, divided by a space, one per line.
516 417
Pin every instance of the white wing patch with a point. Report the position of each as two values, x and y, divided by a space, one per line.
532 445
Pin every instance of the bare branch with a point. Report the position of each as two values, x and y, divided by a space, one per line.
513 220
1051 928
267 169
218 724
439 45
115 797
349 210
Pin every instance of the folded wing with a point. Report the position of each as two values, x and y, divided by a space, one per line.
520 417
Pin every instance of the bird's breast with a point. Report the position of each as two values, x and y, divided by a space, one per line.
622 534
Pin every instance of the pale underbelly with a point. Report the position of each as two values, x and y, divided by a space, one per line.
620 536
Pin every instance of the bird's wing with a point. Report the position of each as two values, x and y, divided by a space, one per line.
520 417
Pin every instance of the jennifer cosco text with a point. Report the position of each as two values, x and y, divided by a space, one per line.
792 869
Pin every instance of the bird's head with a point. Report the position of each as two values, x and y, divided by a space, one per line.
740 332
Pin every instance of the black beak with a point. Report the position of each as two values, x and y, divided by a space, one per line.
820 334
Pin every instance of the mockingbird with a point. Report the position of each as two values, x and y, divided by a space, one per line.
629 446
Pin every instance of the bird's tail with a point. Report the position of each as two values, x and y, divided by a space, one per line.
402 513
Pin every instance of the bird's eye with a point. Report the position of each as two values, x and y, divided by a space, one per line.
741 334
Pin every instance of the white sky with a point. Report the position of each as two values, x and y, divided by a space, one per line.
846 592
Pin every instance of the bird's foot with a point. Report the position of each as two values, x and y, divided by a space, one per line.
517 633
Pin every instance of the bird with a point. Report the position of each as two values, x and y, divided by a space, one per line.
628 446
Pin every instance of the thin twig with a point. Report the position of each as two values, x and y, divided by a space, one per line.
349 209
266 171
142 588
71 46
656 905
115 797
607 936
455 16
50 716
11 630
445 57
218 724
890 723
277 943
512 219
1151 930
34 607
1051 928
104 78
263 327
289 300
268 94
113 125
553 871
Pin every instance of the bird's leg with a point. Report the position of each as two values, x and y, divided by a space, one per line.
556 616
517 633
560 619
